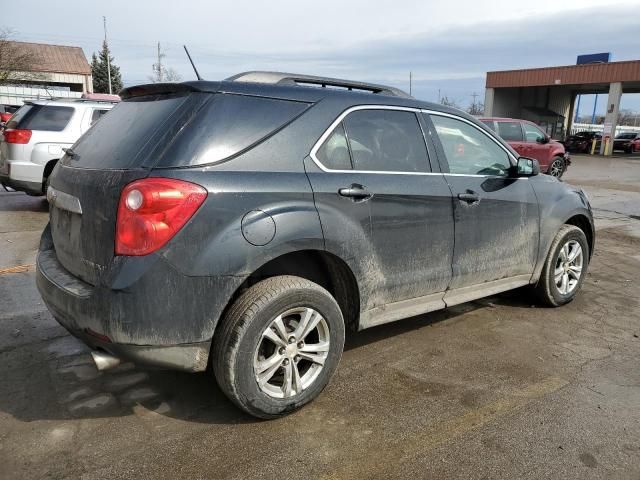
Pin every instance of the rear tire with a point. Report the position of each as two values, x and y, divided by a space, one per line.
557 167
558 284
261 357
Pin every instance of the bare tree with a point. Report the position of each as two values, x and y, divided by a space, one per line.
16 63
448 102
476 108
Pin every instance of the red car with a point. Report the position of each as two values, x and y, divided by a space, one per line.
528 140
628 142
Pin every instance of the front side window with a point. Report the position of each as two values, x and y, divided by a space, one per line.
510 131
533 134
468 150
386 140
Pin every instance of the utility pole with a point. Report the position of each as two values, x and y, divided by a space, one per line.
104 21
410 81
474 95
159 64
438 95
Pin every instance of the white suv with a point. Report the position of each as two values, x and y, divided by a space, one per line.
36 135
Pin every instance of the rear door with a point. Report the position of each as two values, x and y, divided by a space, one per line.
381 206
496 215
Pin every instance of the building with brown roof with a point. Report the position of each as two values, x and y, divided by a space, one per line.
59 71
547 95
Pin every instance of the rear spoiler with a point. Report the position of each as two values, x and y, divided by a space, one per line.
161 89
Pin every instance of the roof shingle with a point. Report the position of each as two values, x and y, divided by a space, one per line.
56 58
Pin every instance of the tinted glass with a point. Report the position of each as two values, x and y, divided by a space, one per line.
510 131
532 133
334 153
468 150
626 136
96 115
227 125
386 140
17 117
490 124
116 140
46 117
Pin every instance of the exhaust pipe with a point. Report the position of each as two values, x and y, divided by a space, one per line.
104 361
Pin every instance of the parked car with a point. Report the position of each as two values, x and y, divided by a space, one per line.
36 135
247 224
5 112
582 142
528 140
628 142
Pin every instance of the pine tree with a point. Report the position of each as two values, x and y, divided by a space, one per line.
100 73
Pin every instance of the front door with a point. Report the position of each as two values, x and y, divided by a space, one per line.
537 144
381 207
496 215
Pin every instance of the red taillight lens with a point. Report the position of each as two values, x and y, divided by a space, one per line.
4 117
152 211
17 136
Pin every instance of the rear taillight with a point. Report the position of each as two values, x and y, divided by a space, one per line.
151 211
4 117
17 136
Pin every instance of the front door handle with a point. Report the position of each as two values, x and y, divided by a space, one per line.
469 197
355 191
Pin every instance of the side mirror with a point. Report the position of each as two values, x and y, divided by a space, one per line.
543 140
527 167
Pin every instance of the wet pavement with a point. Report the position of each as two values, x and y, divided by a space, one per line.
497 388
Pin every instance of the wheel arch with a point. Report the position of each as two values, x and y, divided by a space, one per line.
321 267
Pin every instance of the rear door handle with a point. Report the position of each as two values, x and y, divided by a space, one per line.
355 191
469 197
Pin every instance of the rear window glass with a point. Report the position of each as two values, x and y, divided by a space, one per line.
50 118
510 131
118 139
227 125
489 123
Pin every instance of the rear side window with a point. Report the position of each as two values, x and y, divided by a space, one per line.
510 131
386 141
97 115
334 152
51 118
227 125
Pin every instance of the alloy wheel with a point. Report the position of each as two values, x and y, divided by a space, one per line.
291 352
568 268
557 168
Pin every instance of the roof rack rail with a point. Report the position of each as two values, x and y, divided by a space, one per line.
281 78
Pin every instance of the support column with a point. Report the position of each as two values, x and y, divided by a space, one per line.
571 114
611 117
489 94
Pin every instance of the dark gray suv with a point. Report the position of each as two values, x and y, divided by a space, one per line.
247 224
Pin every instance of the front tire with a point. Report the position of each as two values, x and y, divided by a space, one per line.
278 346
556 169
565 268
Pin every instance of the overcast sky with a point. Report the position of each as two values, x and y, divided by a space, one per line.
448 45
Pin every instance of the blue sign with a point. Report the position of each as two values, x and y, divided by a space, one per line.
593 58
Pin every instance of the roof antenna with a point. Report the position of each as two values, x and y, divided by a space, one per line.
192 64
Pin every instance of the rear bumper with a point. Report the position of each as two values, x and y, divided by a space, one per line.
33 188
162 319
23 176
